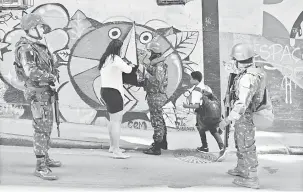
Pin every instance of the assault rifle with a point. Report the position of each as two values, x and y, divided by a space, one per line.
56 105
57 113
227 107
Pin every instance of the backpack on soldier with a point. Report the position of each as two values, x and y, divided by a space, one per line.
210 110
263 116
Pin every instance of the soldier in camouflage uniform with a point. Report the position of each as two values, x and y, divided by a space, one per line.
246 93
37 63
155 87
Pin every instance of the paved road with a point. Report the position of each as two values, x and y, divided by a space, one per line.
95 169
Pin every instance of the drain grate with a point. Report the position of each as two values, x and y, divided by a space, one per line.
193 156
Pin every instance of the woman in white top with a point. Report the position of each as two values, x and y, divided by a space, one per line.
111 67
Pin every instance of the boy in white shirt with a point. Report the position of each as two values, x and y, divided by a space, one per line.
196 102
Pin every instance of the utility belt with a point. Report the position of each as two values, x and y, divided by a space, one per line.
42 94
155 93
40 109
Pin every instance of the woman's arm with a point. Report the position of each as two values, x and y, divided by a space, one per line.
122 65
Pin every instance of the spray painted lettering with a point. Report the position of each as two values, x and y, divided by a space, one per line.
181 125
137 125
278 51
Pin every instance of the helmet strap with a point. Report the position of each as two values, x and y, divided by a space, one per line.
243 66
39 37
154 55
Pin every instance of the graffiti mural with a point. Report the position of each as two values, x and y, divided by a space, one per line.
279 50
78 42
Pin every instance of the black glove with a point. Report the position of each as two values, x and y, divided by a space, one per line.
56 73
52 83
142 83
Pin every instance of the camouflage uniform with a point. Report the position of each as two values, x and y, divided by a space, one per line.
246 93
37 63
156 96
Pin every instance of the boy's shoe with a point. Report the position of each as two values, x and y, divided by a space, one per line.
203 149
222 155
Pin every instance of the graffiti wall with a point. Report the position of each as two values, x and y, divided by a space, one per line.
81 31
278 43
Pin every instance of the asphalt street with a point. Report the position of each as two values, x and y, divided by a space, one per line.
95 169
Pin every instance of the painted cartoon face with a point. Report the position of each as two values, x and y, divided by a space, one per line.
88 50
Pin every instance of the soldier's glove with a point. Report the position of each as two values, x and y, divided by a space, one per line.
56 73
142 83
52 84
51 78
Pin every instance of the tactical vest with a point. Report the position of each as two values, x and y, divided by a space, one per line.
162 86
257 98
41 57
261 105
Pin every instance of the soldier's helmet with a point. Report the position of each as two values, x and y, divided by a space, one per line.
154 46
31 20
242 52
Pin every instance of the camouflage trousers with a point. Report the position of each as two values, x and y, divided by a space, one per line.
155 103
42 124
245 143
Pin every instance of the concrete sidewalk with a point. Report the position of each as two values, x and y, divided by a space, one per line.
19 133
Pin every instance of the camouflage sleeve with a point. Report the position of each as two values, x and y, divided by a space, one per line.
248 86
27 59
159 76
56 63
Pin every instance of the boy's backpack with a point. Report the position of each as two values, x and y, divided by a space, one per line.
210 110
263 116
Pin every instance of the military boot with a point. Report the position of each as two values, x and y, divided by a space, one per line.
154 150
52 163
238 170
164 143
251 181
43 171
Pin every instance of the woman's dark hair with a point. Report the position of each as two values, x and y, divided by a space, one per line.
197 75
112 49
